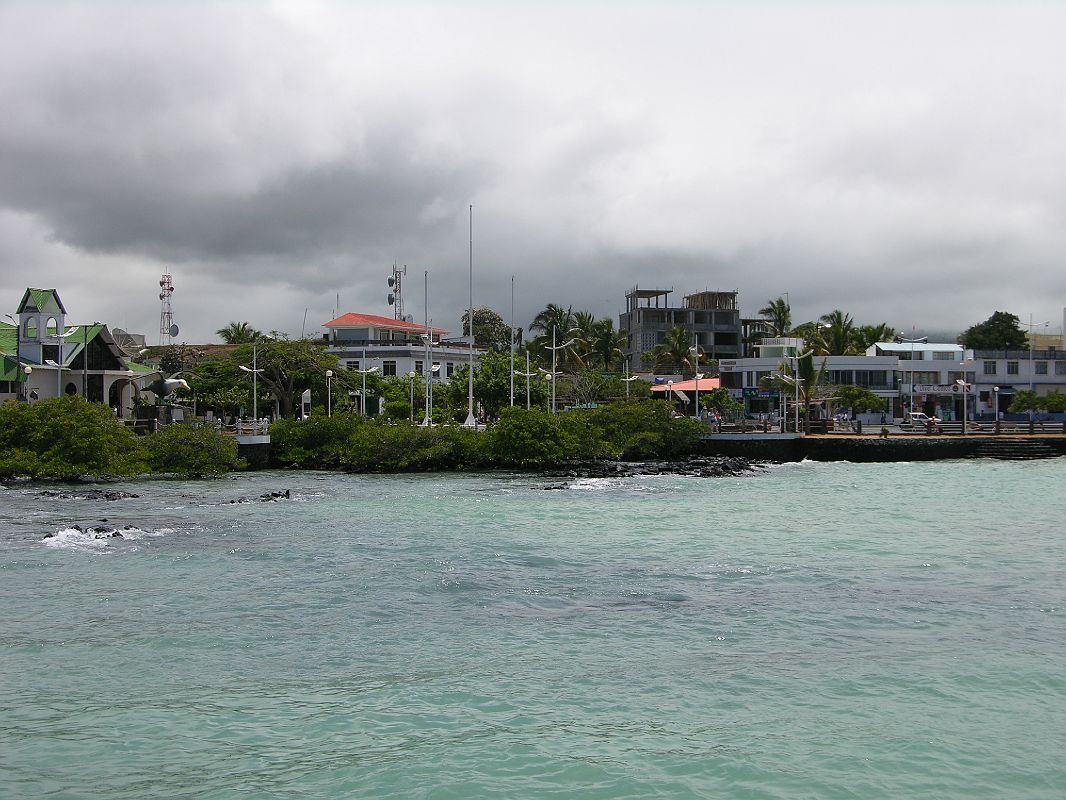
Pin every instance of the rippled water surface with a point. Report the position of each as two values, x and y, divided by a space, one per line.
812 631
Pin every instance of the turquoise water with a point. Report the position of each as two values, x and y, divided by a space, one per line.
814 631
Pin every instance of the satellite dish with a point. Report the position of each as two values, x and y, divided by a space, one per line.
392 299
173 330
392 281
410 318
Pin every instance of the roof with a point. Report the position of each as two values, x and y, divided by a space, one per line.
41 299
351 320
705 385
927 347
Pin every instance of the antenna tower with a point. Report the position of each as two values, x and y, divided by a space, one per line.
167 329
396 291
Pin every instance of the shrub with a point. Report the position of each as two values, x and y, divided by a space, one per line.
192 452
318 442
65 438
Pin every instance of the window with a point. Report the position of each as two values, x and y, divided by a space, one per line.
418 367
388 367
1012 367
450 369
351 365
990 368
943 356
1041 368
1060 367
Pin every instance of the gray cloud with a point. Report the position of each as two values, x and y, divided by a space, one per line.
892 161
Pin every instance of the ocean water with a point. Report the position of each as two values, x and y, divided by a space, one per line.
808 631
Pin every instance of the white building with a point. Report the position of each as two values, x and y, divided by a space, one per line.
394 346
939 378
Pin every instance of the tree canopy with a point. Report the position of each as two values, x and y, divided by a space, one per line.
1001 331
239 333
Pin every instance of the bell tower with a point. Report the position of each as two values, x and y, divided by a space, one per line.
42 321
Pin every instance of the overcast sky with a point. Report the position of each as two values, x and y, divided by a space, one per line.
904 162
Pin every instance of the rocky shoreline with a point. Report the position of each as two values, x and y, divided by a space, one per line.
696 467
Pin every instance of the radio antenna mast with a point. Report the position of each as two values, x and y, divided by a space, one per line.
396 291
167 329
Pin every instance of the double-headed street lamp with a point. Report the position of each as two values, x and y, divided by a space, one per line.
364 372
796 382
527 375
912 341
553 374
254 370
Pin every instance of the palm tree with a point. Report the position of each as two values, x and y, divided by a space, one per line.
676 350
239 333
868 335
812 383
553 316
812 334
607 344
778 316
838 333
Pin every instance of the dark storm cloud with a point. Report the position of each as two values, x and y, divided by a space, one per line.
873 159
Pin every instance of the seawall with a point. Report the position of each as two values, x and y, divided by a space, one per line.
873 448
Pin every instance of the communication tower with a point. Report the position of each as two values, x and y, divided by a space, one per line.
396 291
167 329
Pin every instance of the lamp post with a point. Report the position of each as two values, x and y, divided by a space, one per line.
796 382
912 341
995 405
255 383
699 376
962 385
364 372
471 422
554 348
411 380
527 375
329 393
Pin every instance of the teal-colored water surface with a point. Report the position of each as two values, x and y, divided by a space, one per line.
810 631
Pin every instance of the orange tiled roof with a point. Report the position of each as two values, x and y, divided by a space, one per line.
351 320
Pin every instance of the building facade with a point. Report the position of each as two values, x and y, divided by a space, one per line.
711 321
43 357
395 347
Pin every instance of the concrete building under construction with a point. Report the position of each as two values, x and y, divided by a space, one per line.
711 321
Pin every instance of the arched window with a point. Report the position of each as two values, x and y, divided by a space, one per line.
70 390
31 328
51 328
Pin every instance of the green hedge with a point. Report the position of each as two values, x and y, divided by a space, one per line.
520 439
67 439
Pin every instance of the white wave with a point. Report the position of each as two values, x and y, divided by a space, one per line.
73 539
96 539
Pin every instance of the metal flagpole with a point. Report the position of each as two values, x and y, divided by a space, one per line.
512 340
470 421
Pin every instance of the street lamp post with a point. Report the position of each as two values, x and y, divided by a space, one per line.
255 383
527 375
554 373
995 405
699 376
364 372
329 393
411 380
796 382
912 341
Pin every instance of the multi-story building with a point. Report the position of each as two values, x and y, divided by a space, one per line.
711 321
941 379
395 346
